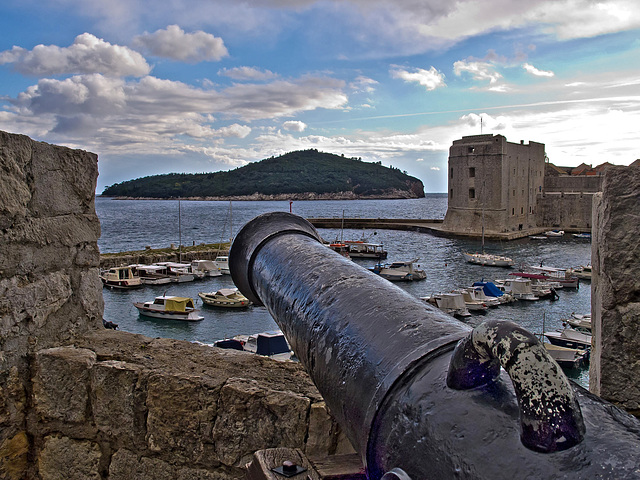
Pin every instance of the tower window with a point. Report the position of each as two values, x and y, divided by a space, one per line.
471 150
472 193
472 171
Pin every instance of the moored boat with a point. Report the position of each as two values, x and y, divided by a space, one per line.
269 344
450 303
569 337
152 274
225 298
519 288
222 262
169 308
583 272
208 268
400 271
568 357
121 278
488 260
362 249
554 233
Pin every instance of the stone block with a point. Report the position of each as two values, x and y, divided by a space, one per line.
252 417
181 412
118 402
14 457
61 383
63 458
126 465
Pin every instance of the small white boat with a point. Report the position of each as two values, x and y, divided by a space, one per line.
586 236
478 294
152 274
554 233
400 271
582 323
121 278
519 288
561 275
169 308
583 272
208 268
179 272
488 259
568 357
222 262
225 298
269 344
450 303
569 337
472 304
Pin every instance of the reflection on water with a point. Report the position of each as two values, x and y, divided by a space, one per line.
130 225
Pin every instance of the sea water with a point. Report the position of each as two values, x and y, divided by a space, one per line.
129 225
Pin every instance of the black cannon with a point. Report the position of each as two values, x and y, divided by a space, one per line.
420 394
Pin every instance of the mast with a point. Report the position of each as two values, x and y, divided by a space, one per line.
179 232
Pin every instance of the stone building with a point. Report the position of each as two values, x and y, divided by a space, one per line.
493 183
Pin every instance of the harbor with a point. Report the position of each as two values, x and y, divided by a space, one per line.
442 259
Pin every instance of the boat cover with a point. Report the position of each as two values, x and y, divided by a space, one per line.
268 344
178 304
489 288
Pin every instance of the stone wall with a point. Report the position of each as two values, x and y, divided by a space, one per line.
615 289
80 402
567 211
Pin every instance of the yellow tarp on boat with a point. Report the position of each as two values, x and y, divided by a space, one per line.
178 304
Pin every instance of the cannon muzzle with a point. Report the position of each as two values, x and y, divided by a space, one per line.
420 394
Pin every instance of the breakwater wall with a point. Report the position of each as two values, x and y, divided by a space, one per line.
81 402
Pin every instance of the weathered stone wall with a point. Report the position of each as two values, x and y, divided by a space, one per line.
573 184
568 211
79 402
615 289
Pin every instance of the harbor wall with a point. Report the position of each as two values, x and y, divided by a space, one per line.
81 402
566 211
615 289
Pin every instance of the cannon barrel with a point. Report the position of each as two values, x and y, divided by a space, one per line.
419 394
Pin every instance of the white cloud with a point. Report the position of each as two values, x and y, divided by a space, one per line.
87 54
294 126
247 73
478 70
435 169
235 130
363 84
430 79
538 73
175 44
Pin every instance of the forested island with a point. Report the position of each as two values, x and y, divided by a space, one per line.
299 175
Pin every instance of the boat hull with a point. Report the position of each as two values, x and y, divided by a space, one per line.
191 316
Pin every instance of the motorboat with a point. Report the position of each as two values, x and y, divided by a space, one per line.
208 268
519 288
491 290
579 322
472 304
568 357
583 272
561 275
170 308
151 274
554 233
478 294
586 236
222 262
488 260
569 337
361 249
540 285
450 303
179 272
122 278
225 298
400 271
269 344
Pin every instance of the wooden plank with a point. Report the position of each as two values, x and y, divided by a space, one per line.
264 461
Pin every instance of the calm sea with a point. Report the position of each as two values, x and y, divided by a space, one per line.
134 224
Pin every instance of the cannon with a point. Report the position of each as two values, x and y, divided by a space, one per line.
420 394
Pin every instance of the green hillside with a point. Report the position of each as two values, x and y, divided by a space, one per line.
294 173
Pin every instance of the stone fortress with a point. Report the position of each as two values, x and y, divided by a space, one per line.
81 402
512 190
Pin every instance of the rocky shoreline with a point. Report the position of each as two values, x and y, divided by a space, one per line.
388 195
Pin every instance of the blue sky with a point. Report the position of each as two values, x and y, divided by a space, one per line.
207 85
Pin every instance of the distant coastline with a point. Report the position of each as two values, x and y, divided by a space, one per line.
388 195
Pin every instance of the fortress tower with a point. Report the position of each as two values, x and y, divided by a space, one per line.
494 182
